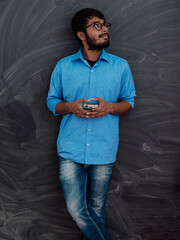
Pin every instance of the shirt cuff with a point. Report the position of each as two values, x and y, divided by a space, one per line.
130 100
52 104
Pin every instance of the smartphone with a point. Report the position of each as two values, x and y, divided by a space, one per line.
90 106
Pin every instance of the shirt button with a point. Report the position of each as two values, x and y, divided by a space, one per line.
87 144
89 130
92 70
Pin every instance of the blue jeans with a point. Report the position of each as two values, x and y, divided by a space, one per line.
85 190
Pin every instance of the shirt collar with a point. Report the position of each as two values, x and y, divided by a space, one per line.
79 55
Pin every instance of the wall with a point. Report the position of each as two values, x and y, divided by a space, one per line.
144 194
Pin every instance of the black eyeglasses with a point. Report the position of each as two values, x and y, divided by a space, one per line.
98 25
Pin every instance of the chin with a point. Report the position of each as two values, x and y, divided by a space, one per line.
104 45
99 46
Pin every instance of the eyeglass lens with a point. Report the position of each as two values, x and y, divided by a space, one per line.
99 25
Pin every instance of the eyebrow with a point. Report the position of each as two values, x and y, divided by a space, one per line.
97 22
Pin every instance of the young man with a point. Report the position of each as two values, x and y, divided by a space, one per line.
88 138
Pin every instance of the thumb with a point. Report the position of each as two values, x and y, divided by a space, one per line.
97 99
84 100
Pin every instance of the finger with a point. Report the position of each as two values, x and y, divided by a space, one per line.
95 114
92 113
84 100
98 109
84 112
82 115
97 99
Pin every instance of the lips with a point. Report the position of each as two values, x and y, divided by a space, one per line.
104 35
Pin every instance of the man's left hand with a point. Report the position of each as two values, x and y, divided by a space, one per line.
103 109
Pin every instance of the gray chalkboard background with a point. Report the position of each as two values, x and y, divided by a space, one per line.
144 194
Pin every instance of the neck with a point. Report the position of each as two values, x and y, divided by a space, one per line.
92 55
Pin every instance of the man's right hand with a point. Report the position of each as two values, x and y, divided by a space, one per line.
77 109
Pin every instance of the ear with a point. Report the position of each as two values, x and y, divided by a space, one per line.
81 36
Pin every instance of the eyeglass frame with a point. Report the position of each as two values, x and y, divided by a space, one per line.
102 24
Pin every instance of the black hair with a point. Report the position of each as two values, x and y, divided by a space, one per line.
80 19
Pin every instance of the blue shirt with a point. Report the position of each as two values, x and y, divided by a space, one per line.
90 140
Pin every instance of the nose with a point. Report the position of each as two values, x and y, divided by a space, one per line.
104 29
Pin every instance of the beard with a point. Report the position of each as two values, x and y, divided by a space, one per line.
95 46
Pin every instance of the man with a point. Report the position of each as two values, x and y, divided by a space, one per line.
88 138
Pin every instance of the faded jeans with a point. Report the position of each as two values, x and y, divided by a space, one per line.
85 190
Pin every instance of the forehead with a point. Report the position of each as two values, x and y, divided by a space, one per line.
95 19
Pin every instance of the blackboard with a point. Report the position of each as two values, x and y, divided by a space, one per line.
144 193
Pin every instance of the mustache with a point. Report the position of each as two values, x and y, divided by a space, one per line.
104 34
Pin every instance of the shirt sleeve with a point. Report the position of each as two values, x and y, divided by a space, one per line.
55 90
127 92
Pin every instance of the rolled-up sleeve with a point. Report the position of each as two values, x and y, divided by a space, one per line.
55 90
127 92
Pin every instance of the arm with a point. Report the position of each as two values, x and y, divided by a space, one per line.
55 100
120 108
